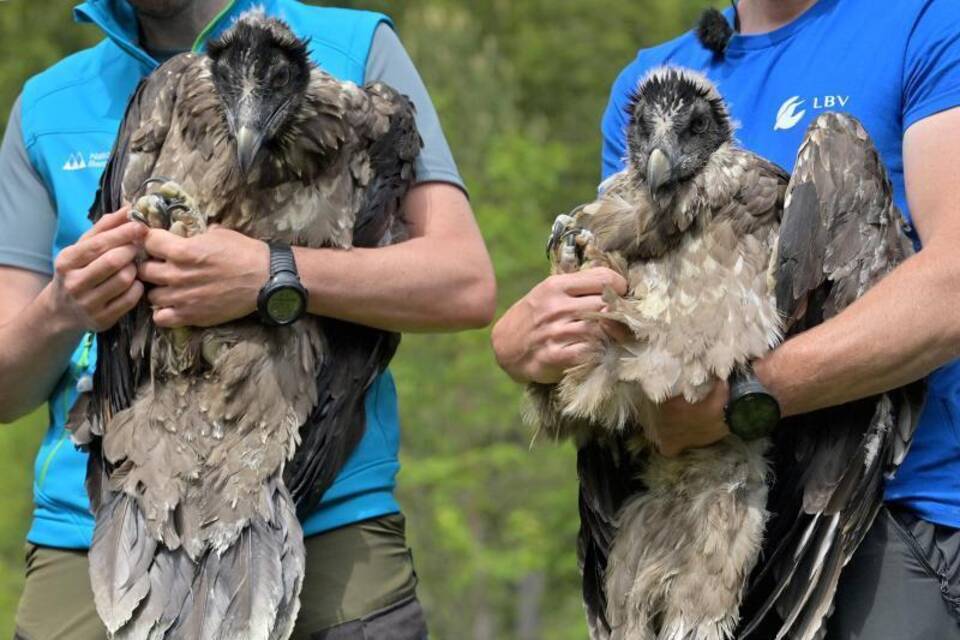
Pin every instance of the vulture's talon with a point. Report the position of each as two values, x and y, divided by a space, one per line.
572 243
146 183
136 216
560 226
169 207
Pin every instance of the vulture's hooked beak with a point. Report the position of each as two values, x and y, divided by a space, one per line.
249 141
659 170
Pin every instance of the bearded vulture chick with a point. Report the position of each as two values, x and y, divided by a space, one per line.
724 254
205 442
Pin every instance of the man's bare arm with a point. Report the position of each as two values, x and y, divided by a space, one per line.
439 280
909 324
41 319
898 332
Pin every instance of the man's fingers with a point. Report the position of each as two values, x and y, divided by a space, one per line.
592 282
102 268
162 297
572 354
116 308
157 272
108 221
168 317
112 287
85 251
164 245
579 306
585 331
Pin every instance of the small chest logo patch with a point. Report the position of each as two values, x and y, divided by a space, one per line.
79 160
791 112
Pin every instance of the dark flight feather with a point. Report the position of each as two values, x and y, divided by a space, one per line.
841 233
609 475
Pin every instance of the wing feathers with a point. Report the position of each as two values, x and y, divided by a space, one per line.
841 233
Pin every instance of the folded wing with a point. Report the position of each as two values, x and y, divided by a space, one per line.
841 233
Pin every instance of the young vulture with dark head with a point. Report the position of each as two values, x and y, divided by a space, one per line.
724 254
204 442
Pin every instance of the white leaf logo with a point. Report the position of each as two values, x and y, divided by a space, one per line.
787 116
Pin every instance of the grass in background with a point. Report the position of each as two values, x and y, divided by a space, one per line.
18 446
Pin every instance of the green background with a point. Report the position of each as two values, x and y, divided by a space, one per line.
520 87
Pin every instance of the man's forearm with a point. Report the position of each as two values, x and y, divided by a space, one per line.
439 280
898 332
417 285
35 347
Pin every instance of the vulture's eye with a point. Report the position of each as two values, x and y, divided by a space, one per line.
280 78
698 125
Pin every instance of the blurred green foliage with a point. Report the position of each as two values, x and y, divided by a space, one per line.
520 87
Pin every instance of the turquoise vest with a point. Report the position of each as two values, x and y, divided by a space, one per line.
71 114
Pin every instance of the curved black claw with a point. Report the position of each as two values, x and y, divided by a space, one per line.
561 229
146 183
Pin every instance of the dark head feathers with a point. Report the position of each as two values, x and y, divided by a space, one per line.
679 85
713 31
255 28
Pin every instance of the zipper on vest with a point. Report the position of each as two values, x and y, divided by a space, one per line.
82 363
211 25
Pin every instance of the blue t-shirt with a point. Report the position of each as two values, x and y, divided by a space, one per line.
890 64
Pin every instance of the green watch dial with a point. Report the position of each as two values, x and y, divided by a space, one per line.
753 416
285 305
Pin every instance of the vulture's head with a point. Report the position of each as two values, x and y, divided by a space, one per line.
677 120
261 71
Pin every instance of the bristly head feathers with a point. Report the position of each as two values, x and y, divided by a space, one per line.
677 120
261 71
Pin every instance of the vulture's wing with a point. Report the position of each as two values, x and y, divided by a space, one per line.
608 477
841 232
384 123
392 157
123 357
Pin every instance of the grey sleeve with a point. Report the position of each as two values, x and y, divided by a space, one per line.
28 219
389 62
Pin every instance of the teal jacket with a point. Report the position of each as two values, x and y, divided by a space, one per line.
70 115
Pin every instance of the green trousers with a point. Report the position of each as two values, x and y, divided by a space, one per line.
355 576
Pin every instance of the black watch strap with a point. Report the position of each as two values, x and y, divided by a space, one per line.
281 259
274 303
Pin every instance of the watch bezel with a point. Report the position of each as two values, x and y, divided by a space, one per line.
283 277
745 387
275 287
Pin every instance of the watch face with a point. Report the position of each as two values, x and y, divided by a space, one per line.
285 305
754 416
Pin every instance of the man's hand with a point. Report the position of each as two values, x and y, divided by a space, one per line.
679 425
544 333
95 279
206 280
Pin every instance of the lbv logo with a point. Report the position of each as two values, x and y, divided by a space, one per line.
792 110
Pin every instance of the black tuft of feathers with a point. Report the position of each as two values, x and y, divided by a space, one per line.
257 31
713 31
671 86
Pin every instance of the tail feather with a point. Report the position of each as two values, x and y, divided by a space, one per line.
171 579
249 590
292 564
120 559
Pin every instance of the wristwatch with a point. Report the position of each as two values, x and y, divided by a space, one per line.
752 412
283 299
